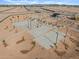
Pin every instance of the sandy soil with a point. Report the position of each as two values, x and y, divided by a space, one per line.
18 44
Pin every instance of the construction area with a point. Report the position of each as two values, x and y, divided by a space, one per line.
39 32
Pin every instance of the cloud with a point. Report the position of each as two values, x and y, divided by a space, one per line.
42 2
18 1
29 1
60 3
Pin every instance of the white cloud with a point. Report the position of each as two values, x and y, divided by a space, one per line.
29 2
59 3
48 2
18 1
40 2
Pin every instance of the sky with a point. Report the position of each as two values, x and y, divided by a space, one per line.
26 2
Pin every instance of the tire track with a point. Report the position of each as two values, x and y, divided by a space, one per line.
7 10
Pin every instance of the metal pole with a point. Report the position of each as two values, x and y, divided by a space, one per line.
29 24
56 38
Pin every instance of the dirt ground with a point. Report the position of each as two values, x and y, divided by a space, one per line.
17 43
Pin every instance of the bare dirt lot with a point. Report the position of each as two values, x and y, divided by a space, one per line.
16 43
